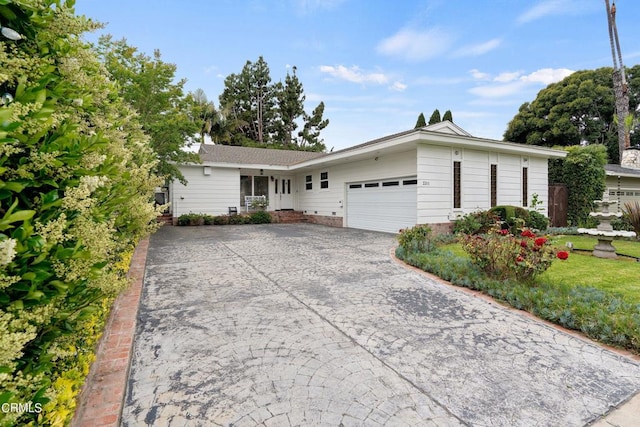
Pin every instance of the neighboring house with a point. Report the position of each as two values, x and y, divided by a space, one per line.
430 175
623 185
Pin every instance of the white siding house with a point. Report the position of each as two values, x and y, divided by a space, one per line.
430 175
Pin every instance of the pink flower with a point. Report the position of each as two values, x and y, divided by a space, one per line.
540 241
519 258
504 232
523 243
562 255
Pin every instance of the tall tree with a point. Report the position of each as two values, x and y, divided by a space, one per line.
249 97
310 135
422 122
447 116
147 84
205 112
435 117
291 99
578 109
258 113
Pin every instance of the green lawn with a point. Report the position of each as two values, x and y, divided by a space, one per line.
620 276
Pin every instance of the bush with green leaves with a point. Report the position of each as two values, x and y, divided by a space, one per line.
236 219
76 194
537 221
512 217
479 222
417 238
502 255
221 220
260 217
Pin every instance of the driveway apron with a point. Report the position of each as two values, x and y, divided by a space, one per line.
306 325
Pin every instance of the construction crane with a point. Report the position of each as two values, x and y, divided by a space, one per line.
620 86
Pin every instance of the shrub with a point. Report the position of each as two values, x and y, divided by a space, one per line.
537 221
502 255
479 222
513 217
221 220
236 219
191 219
260 217
207 219
76 191
416 239
631 213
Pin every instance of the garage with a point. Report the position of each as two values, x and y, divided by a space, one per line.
382 205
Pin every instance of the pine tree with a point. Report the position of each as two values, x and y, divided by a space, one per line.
290 98
422 122
447 116
310 134
435 117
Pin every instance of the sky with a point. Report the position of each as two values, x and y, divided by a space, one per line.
378 64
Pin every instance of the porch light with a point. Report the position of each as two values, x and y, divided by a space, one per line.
10 33
261 172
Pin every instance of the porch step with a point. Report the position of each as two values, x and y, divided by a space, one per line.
165 219
288 217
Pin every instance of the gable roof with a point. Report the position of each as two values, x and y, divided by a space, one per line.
253 155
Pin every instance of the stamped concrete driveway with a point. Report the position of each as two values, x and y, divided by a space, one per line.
306 325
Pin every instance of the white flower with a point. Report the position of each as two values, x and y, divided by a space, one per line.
7 251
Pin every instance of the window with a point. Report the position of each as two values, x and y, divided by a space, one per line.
494 185
276 186
324 180
457 191
390 183
309 182
253 186
410 182
355 185
372 184
525 187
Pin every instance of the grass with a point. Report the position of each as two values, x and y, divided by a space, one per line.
621 277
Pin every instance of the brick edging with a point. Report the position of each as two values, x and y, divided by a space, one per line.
101 399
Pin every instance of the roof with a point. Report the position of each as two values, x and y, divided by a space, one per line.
617 170
254 156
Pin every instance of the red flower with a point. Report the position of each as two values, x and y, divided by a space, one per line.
523 243
562 255
540 241
504 232
527 233
519 258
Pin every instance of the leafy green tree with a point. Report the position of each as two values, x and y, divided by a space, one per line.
583 173
422 122
447 116
435 117
290 97
578 109
250 98
310 135
204 112
166 114
256 112
76 194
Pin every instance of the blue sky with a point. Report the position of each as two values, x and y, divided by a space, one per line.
377 64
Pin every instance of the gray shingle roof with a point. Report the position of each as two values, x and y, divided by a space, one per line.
254 156
619 169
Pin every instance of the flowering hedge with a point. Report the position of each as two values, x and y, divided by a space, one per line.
503 255
75 196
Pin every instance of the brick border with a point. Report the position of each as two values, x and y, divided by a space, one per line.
100 402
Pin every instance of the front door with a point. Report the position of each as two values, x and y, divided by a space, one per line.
284 198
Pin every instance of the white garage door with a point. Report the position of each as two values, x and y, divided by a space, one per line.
385 205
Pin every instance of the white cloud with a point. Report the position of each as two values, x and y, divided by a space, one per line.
550 7
354 74
478 49
546 76
510 83
479 75
415 45
398 87
507 77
